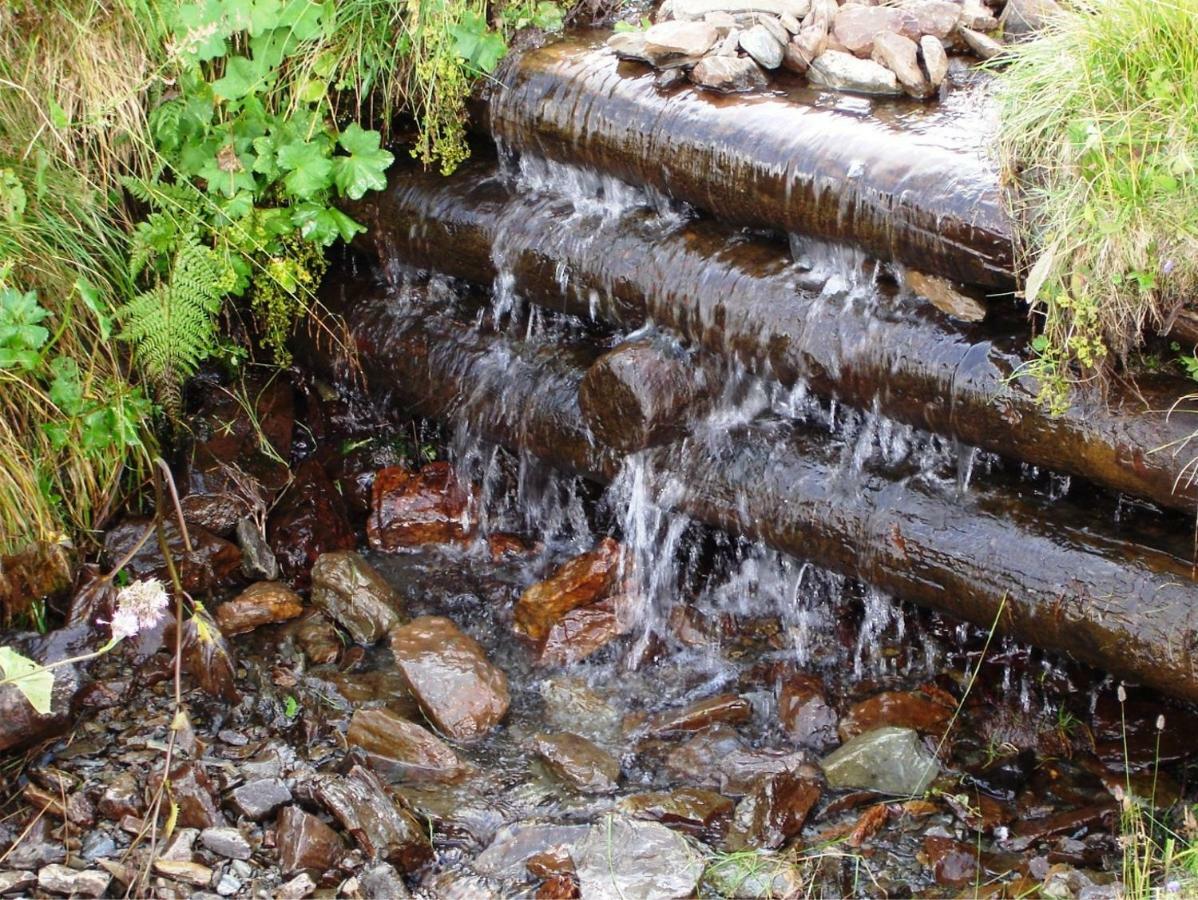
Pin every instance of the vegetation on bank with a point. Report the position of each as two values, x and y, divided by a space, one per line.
170 168
1099 137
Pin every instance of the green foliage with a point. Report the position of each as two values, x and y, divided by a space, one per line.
31 679
1100 142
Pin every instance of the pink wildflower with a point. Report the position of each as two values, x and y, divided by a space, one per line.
139 607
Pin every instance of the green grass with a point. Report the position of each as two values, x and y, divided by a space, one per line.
1099 141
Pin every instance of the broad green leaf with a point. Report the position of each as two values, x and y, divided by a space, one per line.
30 678
306 19
92 300
242 76
324 224
58 115
201 30
66 390
309 171
363 169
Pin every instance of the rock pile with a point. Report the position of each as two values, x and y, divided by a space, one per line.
730 45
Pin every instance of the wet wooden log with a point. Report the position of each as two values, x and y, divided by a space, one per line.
642 393
904 181
741 296
1056 575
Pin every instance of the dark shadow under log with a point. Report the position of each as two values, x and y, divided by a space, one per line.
1054 575
741 296
904 181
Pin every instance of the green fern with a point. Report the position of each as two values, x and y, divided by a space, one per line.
172 325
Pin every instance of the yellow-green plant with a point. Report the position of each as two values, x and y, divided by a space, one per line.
1099 139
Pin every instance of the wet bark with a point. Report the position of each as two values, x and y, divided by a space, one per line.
904 182
1055 575
741 296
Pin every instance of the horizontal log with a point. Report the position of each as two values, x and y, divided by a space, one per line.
741 296
1052 574
904 181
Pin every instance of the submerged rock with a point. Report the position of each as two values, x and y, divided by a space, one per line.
901 709
774 811
700 813
577 582
357 597
399 747
514 845
942 295
578 762
305 842
845 72
410 509
728 74
631 859
728 708
457 687
805 714
719 758
888 760
383 829
629 45
264 603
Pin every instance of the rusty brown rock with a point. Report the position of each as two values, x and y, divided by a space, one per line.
305 842
357 597
457 687
901 709
584 631
213 562
701 813
262 603
501 546
953 863
719 759
774 811
727 708
578 762
397 746
857 27
578 582
318 638
383 828
805 713
409 509
192 790
941 293
37 571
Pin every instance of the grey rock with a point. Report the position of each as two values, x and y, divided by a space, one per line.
696 9
59 879
790 23
668 79
227 842
935 17
678 43
97 845
382 881
809 43
302 886
977 16
228 885
629 45
728 74
765 49
630 859
255 800
354 595
514 844
888 760
1021 18
774 27
721 21
16 882
856 27
983 46
901 56
730 45
935 59
257 559
845 72
729 877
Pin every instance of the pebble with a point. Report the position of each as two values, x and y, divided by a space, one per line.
255 800
97 845
227 842
228 885
765 49
60 879
302 886
16 882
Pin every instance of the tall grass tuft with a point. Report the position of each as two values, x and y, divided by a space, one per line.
1099 140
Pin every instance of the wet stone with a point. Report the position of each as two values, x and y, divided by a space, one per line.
677 43
97 845
256 800
845 72
218 512
774 811
578 762
727 708
410 509
382 881
578 582
629 45
728 74
900 709
508 853
227 842
305 842
401 748
264 603
212 562
380 827
655 863
888 760
718 758
461 692
571 704
580 633
700 813
59 879
192 790
900 54
935 59
121 797
953 863
805 714
558 887
762 46
318 638
257 559
942 295
357 597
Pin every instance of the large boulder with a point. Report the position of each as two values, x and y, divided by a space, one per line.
457 687
845 72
